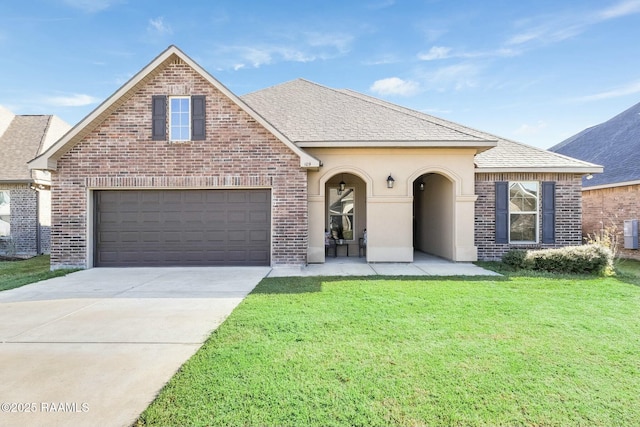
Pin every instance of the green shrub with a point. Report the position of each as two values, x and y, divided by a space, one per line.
588 259
515 258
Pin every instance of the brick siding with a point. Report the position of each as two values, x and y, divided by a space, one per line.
120 153
568 212
608 208
24 223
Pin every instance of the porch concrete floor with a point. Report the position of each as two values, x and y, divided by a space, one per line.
423 265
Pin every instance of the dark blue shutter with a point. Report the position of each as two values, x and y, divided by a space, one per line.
159 118
502 212
548 212
197 118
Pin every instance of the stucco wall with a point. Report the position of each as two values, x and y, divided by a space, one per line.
119 154
608 208
568 212
390 211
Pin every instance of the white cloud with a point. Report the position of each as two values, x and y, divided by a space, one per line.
339 41
436 52
623 8
548 32
628 89
158 26
529 130
313 46
92 6
459 76
441 52
552 29
75 100
395 86
258 56
383 60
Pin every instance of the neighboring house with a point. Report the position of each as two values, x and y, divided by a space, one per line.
175 169
25 197
612 197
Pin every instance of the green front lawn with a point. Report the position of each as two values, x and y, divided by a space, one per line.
520 350
14 274
628 269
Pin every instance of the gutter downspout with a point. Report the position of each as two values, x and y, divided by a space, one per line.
38 237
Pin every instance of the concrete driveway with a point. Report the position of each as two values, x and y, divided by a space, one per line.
96 346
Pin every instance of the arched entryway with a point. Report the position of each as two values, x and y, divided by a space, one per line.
345 213
434 215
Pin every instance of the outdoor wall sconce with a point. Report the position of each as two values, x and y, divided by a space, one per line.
421 185
390 181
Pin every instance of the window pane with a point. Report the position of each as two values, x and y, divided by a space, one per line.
347 226
523 227
341 213
4 202
523 197
5 213
180 119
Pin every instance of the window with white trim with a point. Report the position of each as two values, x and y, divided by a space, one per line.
5 213
523 211
341 213
179 118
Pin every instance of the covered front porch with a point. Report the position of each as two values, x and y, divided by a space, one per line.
382 205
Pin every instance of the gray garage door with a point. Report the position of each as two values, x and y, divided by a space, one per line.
182 227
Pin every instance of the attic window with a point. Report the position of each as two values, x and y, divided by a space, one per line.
185 118
180 118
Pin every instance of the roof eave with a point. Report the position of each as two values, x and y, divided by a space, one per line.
611 185
477 145
43 163
557 169
15 181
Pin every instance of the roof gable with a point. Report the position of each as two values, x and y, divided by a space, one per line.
48 160
22 140
614 144
312 115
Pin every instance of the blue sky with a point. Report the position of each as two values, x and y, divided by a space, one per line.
533 71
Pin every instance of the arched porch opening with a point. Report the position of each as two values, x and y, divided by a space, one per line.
345 213
434 215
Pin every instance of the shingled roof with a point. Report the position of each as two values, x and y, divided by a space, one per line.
510 156
312 115
615 144
21 142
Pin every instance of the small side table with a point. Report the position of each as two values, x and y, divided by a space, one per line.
338 244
